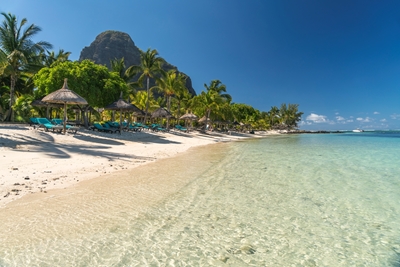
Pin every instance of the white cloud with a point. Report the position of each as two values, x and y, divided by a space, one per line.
337 113
367 119
376 112
395 116
339 118
317 118
349 120
383 120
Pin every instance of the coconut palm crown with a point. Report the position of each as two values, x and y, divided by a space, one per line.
18 53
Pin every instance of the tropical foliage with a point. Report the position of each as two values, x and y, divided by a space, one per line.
29 70
18 53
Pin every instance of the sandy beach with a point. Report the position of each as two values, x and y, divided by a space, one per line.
34 161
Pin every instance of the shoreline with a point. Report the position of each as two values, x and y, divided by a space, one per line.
34 161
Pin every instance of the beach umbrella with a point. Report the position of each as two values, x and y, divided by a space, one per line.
203 119
39 103
189 116
121 105
162 113
64 96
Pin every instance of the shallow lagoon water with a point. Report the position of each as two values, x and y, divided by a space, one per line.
291 200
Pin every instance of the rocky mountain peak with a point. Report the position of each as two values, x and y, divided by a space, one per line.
110 45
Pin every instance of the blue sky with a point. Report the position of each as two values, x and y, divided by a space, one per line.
338 59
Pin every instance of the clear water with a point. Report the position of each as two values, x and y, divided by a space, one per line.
292 200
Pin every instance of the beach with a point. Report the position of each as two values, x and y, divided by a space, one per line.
217 200
34 161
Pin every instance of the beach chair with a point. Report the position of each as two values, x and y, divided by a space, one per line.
47 125
69 128
100 128
142 126
114 129
181 128
34 122
157 128
112 124
133 128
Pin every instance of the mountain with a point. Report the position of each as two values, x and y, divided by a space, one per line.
110 45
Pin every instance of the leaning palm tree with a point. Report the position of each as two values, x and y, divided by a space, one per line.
18 53
150 67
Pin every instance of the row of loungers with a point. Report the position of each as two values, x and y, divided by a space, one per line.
56 125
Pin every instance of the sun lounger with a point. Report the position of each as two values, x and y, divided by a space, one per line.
141 125
181 128
34 122
114 129
133 128
47 125
100 128
157 128
69 127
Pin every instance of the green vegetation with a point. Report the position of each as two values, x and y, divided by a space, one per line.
29 71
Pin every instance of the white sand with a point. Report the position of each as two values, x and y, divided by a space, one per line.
35 161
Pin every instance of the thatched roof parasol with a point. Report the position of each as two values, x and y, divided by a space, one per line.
189 116
203 119
161 113
65 96
122 105
40 103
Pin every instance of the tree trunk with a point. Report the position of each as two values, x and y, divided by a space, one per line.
148 98
12 89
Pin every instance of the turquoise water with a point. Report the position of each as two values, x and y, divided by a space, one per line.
291 200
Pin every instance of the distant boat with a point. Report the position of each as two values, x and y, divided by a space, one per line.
358 131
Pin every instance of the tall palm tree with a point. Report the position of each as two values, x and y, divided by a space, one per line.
217 86
273 116
18 53
208 101
170 83
214 97
150 67
183 100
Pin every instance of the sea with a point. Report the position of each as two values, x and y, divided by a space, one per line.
288 200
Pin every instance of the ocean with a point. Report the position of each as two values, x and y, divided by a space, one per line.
287 200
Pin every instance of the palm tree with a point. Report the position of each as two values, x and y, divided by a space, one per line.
183 100
171 83
118 65
51 57
273 116
214 97
150 67
18 53
217 86
208 101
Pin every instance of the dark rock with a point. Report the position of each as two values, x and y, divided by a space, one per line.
111 45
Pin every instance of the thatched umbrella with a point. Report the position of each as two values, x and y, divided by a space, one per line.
189 116
121 105
39 103
65 96
162 113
